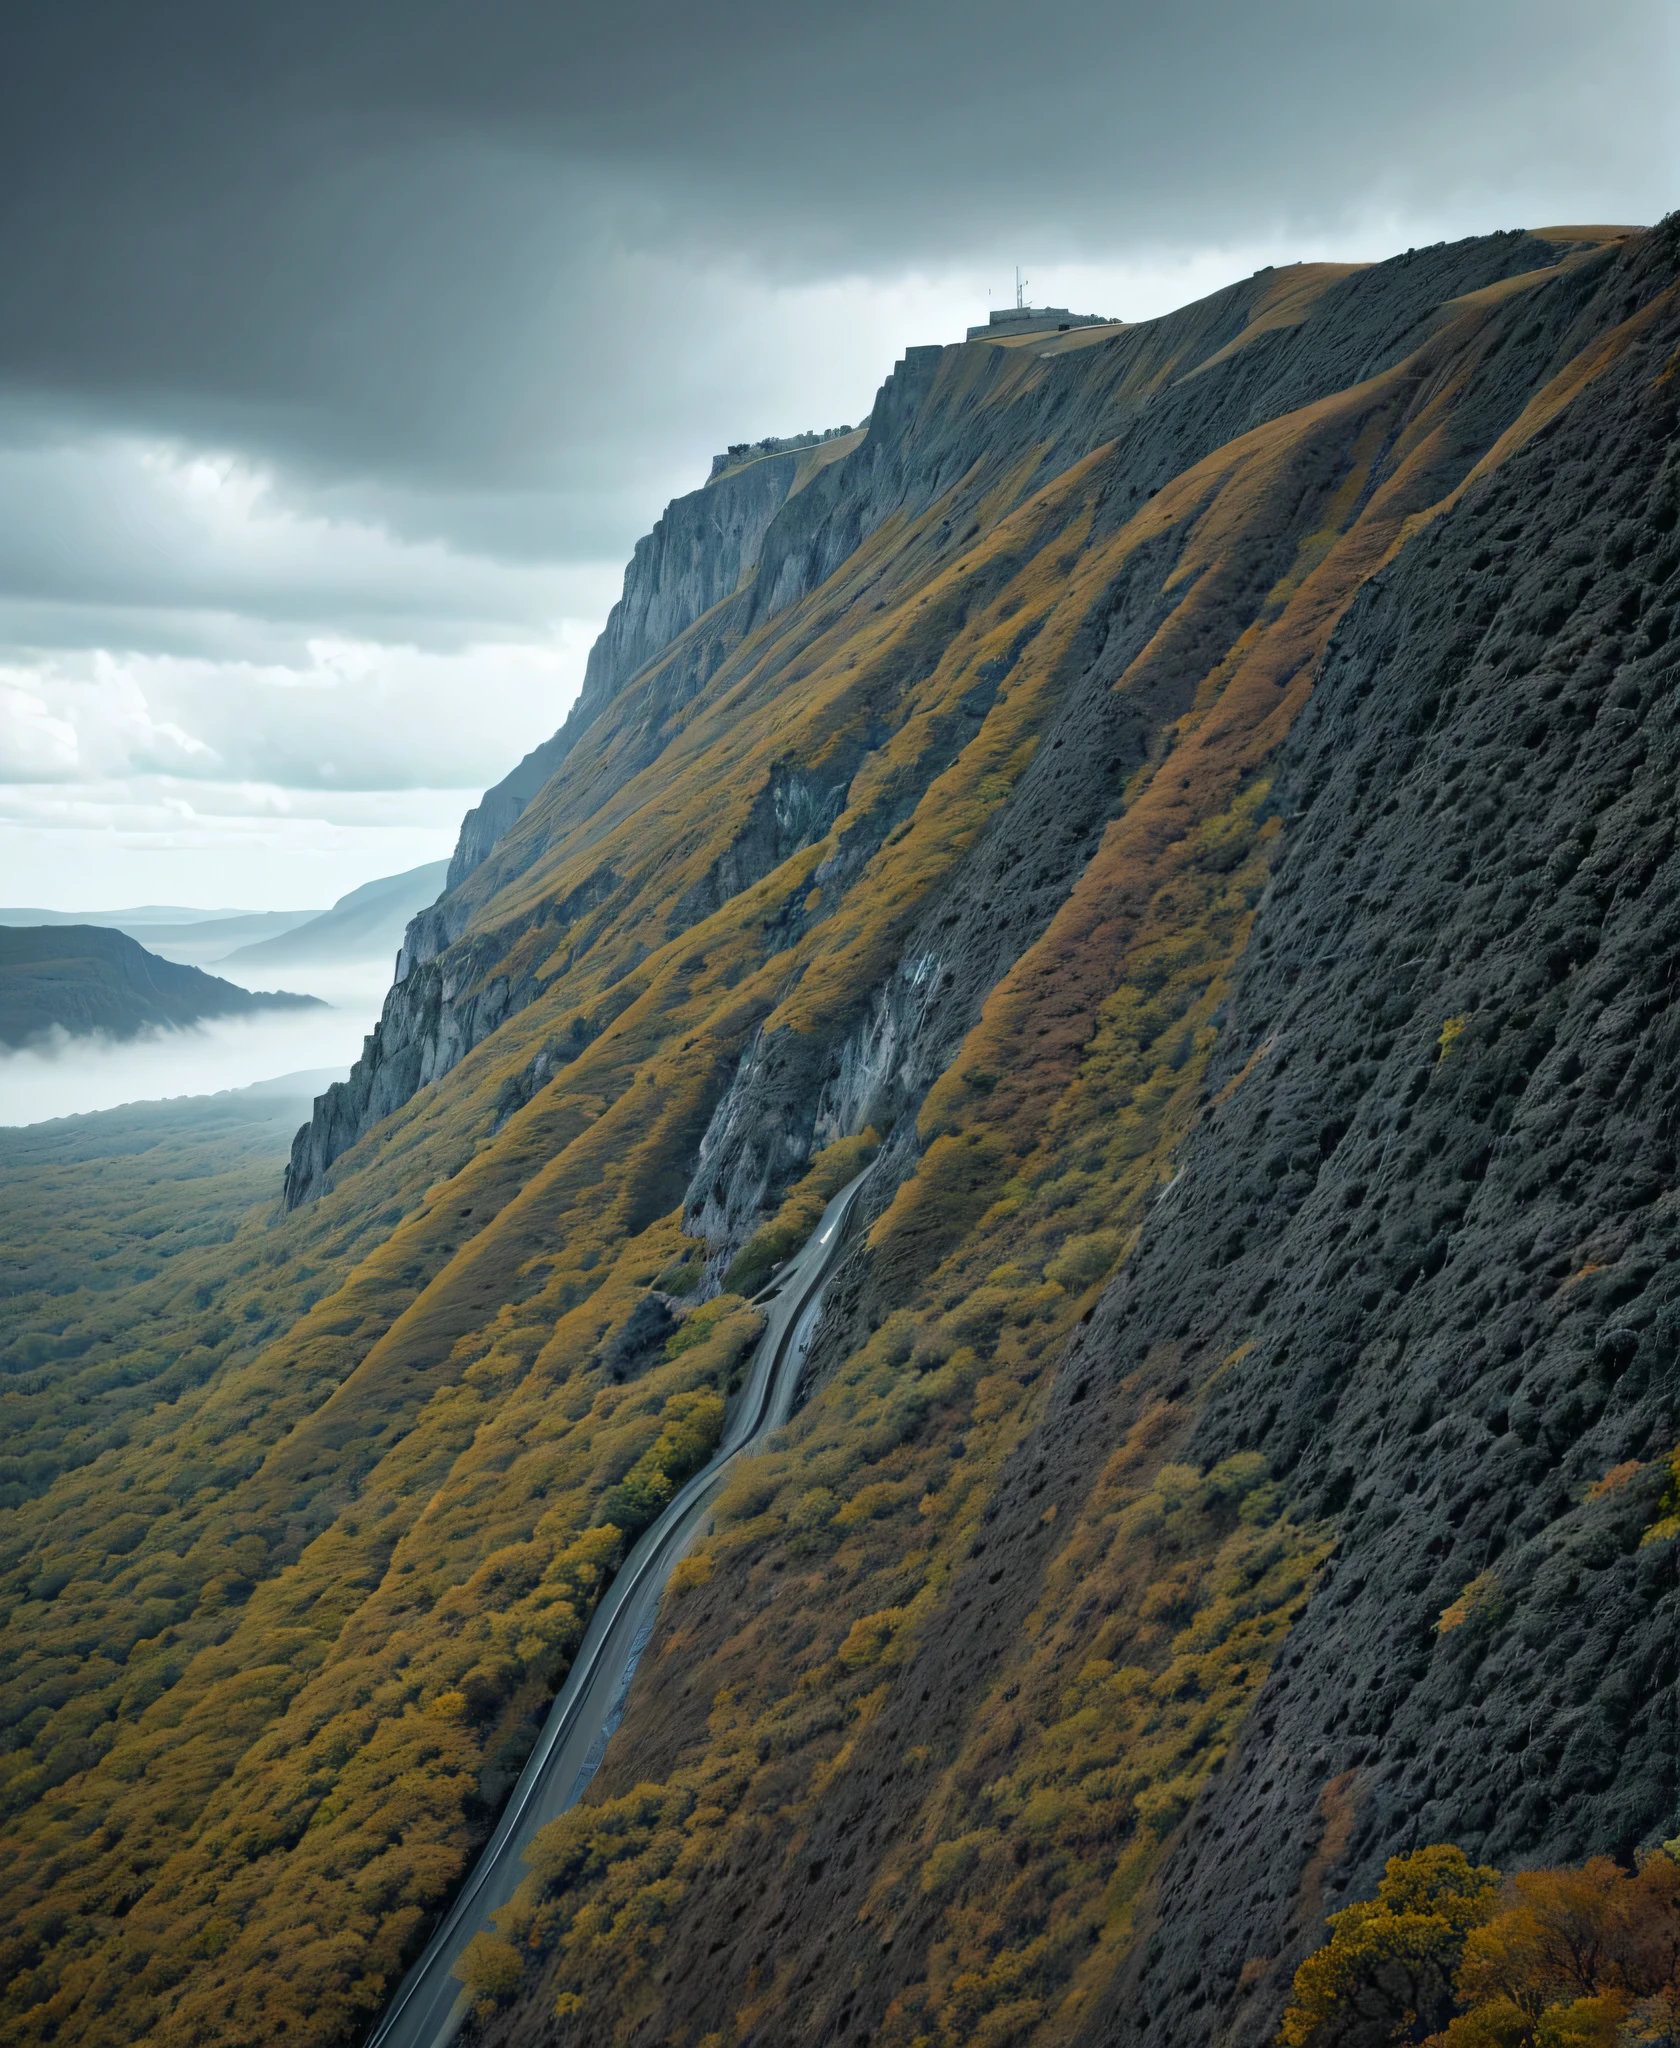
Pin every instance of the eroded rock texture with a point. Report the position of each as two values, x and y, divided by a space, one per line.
1440 1213
1417 1253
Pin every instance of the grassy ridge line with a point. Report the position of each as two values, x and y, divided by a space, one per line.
469 1433
885 1486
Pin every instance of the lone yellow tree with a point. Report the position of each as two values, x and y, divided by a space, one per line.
1387 1972
1445 1955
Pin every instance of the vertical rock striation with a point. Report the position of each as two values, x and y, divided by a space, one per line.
1206 796
696 556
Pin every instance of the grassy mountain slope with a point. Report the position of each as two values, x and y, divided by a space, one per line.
947 830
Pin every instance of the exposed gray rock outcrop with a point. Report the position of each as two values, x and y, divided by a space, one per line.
795 1092
727 558
426 1028
695 557
441 1005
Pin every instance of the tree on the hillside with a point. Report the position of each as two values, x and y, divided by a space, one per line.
1386 1974
1584 1957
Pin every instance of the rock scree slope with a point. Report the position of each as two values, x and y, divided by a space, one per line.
1197 808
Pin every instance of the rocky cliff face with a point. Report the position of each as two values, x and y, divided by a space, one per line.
1437 1218
728 559
694 558
1203 799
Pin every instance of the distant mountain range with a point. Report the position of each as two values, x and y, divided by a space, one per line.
156 920
193 938
366 923
83 978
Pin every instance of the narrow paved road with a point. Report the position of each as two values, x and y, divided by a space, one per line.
430 2004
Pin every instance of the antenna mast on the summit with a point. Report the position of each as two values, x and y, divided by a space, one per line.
1020 284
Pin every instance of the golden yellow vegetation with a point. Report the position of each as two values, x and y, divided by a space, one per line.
283 1622
1585 1957
800 1213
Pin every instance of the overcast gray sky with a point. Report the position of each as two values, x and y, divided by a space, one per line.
345 349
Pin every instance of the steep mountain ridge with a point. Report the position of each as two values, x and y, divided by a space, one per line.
981 428
1020 1692
696 556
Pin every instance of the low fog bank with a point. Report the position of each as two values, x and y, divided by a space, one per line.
66 1076
357 985
266 1114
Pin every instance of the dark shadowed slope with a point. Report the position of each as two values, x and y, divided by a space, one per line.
1197 807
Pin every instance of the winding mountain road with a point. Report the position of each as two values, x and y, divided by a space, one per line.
431 2004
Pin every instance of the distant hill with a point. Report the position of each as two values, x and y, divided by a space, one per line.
84 978
201 942
148 917
196 938
366 923
265 1113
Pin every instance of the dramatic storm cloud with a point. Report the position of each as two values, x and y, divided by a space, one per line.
345 349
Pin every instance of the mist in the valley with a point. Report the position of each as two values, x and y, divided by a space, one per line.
65 1076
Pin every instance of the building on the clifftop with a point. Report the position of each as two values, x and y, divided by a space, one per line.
1014 320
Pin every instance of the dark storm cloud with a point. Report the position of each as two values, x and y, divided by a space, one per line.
370 237
347 345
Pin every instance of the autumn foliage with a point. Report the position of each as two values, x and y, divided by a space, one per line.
305 1514
1447 1955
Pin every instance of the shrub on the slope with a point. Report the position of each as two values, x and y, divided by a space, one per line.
1584 1957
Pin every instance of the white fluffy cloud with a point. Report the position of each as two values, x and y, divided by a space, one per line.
193 663
346 715
110 843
